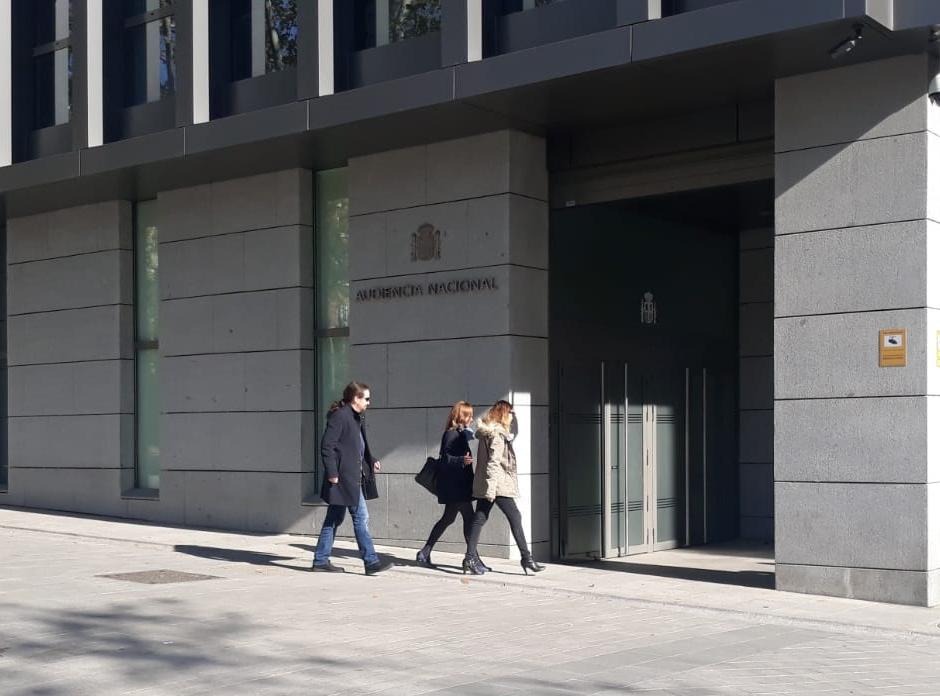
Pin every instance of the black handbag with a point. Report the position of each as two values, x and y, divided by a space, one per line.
370 491
427 477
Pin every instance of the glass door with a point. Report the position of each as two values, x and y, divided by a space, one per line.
580 454
622 459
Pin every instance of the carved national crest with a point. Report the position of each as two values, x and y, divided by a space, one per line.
648 309
426 243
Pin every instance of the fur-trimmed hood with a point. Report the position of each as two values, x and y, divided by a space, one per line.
491 429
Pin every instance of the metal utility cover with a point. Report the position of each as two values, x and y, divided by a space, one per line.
158 577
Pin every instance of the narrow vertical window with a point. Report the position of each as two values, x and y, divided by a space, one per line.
149 50
389 21
147 299
264 36
332 286
52 60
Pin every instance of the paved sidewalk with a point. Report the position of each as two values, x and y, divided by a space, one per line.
262 624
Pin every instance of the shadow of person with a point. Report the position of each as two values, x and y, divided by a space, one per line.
240 556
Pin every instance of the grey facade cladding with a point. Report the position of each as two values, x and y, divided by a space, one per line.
644 97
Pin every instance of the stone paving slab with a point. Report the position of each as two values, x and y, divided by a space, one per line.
266 625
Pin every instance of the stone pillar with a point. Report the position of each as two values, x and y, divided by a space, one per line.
756 399
448 261
236 344
856 489
71 370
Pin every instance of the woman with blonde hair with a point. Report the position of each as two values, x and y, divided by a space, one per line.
454 478
496 483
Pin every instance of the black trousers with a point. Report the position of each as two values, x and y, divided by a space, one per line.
508 507
451 510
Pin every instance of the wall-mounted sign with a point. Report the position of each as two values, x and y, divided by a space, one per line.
648 309
892 348
459 286
426 243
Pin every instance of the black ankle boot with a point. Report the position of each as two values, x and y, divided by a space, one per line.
482 564
473 565
531 564
423 558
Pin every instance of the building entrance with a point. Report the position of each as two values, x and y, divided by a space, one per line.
644 350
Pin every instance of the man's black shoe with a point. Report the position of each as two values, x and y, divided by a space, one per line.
379 566
327 568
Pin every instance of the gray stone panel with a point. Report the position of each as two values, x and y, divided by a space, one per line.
260 321
757 489
244 501
857 525
493 163
756 383
879 439
88 280
388 180
399 438
426 373
92 491
534 492
426 316
871 100
756 436
265 442
369 364
278 199
278 257
837 356
757 275
865 183
528 171
852 270
368 241
263 381
756 329
99 333
81 230
72 442
101 387
432 316
451 219
411 512
917 588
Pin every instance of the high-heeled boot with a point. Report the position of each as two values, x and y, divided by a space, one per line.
482 564
423 558
528 563
473 565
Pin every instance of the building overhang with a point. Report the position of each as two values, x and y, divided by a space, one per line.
730 53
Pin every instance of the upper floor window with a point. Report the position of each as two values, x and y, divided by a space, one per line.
381 22
149 50
52 62
264 36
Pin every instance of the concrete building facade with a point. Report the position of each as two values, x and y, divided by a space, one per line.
691 242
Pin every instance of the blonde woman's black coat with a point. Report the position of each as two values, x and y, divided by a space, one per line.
339 452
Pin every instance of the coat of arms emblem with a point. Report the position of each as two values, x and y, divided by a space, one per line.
648 309
426 243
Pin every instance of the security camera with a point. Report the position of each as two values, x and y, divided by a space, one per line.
846 46
933 89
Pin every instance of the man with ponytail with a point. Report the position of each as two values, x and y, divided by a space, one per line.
348 465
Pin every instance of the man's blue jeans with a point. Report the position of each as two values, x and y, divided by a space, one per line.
334 518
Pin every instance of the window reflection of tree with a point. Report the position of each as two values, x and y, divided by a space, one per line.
409 18
280 34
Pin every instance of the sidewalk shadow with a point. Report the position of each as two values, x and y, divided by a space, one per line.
353 554
741 578
239 556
